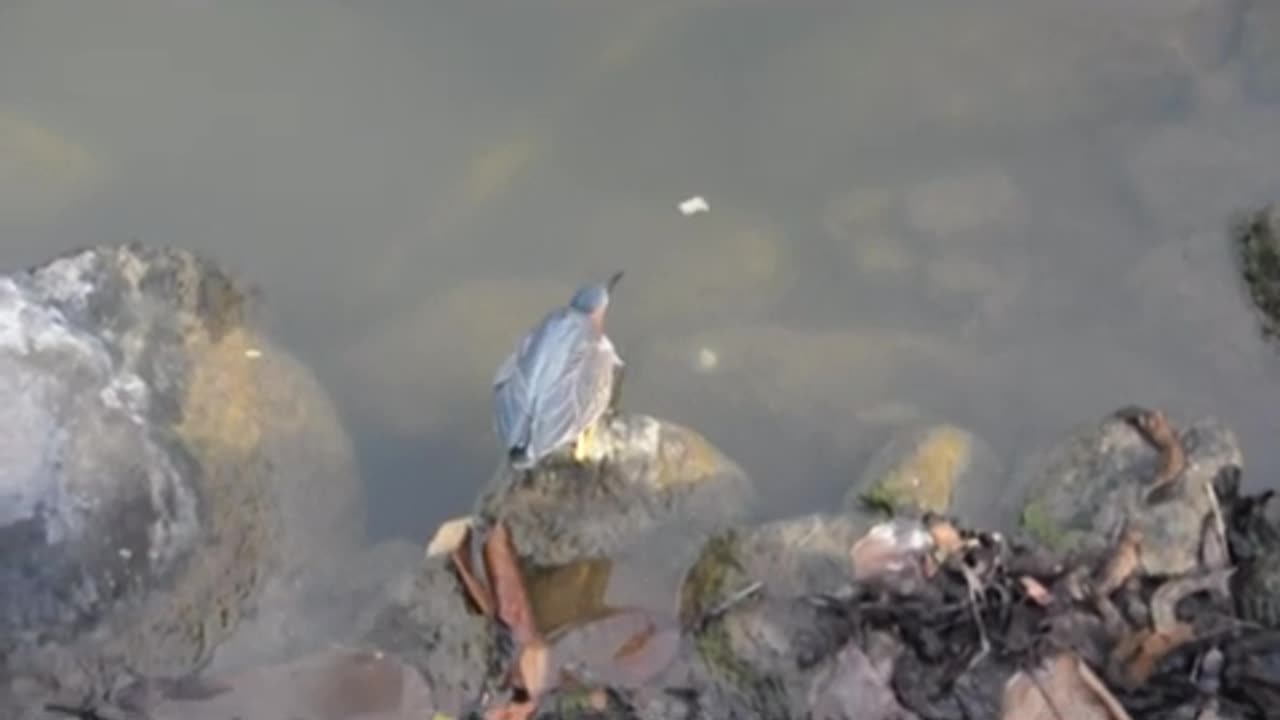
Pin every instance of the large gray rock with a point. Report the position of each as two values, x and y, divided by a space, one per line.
651 473
1080 492
161 464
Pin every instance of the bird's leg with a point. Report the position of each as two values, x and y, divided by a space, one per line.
615 392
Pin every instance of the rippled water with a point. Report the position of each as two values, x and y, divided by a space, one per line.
1005 214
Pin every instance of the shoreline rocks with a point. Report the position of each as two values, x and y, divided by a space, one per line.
163 464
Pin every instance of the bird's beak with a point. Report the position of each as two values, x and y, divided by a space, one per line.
613 280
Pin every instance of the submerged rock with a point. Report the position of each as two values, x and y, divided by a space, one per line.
922 468
1259 25
335 683
802 555
161 463
331 604
1081 492
429 627
652 472
1257 247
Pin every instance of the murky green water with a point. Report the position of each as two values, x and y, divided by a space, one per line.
1003 214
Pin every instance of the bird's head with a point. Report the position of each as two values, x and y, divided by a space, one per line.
593 299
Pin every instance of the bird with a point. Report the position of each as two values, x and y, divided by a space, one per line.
558 381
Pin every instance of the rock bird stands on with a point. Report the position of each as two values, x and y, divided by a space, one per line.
559 381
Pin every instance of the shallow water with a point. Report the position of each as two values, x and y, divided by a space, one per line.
1003 214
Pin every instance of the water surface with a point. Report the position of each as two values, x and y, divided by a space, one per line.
1005 214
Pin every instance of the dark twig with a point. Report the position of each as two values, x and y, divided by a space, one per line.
81 713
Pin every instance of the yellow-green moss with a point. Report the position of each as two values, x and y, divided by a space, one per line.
1037 521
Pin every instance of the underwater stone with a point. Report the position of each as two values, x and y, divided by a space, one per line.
1257 247
923 468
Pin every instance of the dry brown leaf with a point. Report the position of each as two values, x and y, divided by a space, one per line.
1158 431
1100 691
1138 655
534 669
946 538
1122 564
1063 689
636 643
1038 593
509 592
476 590
451 535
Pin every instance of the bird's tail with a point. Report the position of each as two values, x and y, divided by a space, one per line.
519 457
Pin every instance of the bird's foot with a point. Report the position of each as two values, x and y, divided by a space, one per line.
588 449
582 447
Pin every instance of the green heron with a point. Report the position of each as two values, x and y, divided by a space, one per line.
559 381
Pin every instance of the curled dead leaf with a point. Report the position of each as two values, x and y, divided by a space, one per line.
511 598
1137 655
451 535
1161 435
1164 603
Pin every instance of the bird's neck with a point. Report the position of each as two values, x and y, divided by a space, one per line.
597 320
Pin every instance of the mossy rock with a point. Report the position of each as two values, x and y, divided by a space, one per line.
923 468
1081 492
1257 246
652 473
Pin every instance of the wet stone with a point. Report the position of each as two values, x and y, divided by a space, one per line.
802 555
1080 492
652 472
161 464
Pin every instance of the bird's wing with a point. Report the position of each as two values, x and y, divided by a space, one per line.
564 388
512 401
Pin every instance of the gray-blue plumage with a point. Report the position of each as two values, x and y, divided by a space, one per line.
559 379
